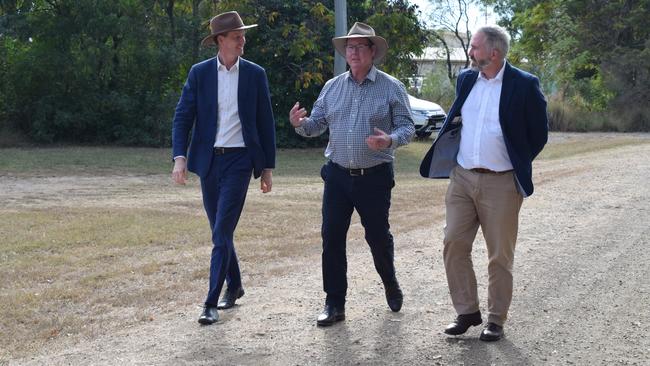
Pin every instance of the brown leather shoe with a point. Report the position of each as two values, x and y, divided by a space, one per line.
463 322
229 298
492 332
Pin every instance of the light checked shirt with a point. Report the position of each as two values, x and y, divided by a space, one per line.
351 111
481 137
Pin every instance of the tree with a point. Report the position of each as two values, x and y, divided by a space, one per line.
110 71
597 59
450 16
92 71
398 22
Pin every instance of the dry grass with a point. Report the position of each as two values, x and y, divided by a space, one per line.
78 266
570 144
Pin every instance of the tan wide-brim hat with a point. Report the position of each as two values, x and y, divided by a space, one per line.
222 23
362 30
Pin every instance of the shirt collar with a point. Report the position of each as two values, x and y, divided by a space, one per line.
221 66
371 75
499 76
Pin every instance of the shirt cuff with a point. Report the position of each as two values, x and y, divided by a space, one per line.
393 141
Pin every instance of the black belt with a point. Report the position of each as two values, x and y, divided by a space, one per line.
225 150
361 171
488 171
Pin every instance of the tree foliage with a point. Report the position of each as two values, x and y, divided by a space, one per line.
451 17
593 53
398 22
110 71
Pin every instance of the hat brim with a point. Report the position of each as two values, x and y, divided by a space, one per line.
381 46
209 40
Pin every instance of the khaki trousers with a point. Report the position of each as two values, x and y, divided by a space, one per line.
493 202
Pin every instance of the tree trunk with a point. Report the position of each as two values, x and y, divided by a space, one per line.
450 74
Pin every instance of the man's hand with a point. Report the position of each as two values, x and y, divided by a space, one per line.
379 140
179 173
297 115
266 180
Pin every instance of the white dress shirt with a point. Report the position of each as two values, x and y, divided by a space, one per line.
229 133
481 138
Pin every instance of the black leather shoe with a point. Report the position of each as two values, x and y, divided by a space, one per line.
330 315
394 297
209 315
229 298
491 333
463 322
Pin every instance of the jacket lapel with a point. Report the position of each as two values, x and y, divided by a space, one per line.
465 87
242 89
507 88
212 96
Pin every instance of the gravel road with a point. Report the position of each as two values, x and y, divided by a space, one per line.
582 294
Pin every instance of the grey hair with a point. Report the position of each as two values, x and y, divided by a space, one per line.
496 38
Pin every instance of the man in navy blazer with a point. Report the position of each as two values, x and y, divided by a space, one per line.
495 128
226 105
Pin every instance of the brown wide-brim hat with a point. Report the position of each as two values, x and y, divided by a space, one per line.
362 30
222 23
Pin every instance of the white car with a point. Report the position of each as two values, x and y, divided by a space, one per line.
427 116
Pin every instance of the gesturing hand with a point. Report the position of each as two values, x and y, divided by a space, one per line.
297 115
379 140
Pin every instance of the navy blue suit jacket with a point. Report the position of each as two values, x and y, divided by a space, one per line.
522 114
196 111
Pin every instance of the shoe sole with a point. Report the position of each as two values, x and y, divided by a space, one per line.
489 339
204 321
465 331
322 323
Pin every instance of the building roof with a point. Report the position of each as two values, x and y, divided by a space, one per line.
440 54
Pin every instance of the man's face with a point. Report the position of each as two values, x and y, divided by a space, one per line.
232 43
359 53
479 53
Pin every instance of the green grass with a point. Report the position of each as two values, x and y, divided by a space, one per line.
290 162
84 160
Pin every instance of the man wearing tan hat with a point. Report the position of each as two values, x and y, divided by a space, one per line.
227 105
368 116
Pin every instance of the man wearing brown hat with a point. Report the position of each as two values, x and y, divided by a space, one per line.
368 116
227 105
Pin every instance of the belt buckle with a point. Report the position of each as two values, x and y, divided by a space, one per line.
219 150
356 172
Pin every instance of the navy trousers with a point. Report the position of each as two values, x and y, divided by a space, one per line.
224 192
370 195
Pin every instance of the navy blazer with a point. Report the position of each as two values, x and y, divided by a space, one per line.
522 114
197 109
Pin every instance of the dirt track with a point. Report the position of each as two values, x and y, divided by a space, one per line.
582 294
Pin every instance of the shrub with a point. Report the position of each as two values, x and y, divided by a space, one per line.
438 88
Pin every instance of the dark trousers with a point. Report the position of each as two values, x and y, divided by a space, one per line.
224 192
369 194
